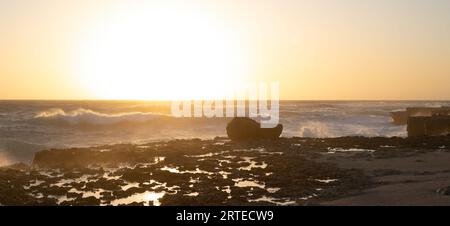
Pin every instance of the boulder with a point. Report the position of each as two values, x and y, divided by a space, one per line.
242 128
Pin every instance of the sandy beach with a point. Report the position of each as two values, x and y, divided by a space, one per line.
420 179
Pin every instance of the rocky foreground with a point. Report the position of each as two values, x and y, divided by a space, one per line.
288 171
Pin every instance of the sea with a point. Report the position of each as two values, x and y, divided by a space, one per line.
28 126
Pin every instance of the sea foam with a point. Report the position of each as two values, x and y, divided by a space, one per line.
88 116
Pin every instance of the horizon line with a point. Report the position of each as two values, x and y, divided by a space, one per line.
162 100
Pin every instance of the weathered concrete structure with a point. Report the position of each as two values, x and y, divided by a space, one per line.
436 125
401 117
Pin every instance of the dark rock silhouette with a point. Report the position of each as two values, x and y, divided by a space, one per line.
437 125
241 129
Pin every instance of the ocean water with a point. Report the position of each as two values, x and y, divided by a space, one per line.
30 126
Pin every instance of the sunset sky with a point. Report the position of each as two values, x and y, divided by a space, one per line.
318 49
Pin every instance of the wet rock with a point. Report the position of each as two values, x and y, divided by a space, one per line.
179 200
105 184
139 204
191 167
57 191
215 197
135 176
88 201
386 172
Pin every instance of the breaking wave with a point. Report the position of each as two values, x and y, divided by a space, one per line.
87 116
338 129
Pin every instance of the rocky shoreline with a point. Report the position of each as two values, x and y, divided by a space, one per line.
287 171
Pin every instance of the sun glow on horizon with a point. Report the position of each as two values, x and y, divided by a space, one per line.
202 49
161 53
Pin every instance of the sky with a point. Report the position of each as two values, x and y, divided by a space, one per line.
316 50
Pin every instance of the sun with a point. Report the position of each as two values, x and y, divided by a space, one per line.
161 53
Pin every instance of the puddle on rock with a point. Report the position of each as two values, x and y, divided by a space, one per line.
242 183
193 194
148 198
273 190
349 150
130 185
326 181
176 170
34 184
279 202
253 164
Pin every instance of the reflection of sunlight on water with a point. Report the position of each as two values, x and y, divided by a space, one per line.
152 196
334 150
107 176
226 189
145 197
193 194
326 181
51 174
130 185
224 174
247 183
308 197
252 164
170 169
176 170
273 190
279 202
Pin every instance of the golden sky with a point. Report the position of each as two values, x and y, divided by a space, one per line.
318 49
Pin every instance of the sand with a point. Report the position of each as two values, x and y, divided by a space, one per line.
416 181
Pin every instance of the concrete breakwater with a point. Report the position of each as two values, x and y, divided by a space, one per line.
424 121
436 125
401 117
